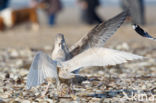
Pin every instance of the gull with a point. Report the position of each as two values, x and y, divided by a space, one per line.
141 32
60 51
88 51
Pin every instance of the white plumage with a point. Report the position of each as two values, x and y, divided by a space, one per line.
42 67
98 57
88 51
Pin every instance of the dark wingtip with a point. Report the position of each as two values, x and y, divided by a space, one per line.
141 32
124 14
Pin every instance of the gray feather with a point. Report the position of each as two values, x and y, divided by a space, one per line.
41 68
99 34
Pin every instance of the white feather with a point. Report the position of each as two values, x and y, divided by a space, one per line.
41 68
98 57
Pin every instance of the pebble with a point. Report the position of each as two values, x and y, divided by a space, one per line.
15 63
123 46
13 53
1 100
26 101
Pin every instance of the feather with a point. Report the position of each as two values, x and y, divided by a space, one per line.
99 34
41 68
98 57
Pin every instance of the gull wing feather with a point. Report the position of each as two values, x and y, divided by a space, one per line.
141 32
98 57
41 68
99 34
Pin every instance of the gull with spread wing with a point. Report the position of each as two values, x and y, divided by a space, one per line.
88 51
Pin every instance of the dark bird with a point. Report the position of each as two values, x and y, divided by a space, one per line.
141 32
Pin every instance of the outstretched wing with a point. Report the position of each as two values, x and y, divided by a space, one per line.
41 68
99 34
141 32
98 57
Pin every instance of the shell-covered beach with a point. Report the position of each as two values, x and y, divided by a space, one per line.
111 84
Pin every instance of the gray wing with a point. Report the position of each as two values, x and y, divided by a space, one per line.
41 68
99 34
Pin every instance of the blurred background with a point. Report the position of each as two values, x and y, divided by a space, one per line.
71 19
107 9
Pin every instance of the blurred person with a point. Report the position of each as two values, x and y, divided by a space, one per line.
89 14
41 12
136 8
3 4
52 7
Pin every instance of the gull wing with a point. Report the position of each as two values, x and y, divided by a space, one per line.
98 57
141 32
99 34
41 68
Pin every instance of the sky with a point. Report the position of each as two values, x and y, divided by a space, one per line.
72 2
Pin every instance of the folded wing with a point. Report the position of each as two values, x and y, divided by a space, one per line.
98 57
99 34
41 68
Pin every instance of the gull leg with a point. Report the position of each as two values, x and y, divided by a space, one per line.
72 93
46 90
71 86
58 85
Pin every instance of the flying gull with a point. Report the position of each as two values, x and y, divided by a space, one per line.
88 51
141 32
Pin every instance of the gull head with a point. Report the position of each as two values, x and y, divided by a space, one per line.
59 41
59 51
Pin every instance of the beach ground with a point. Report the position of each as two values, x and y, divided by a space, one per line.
19 44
